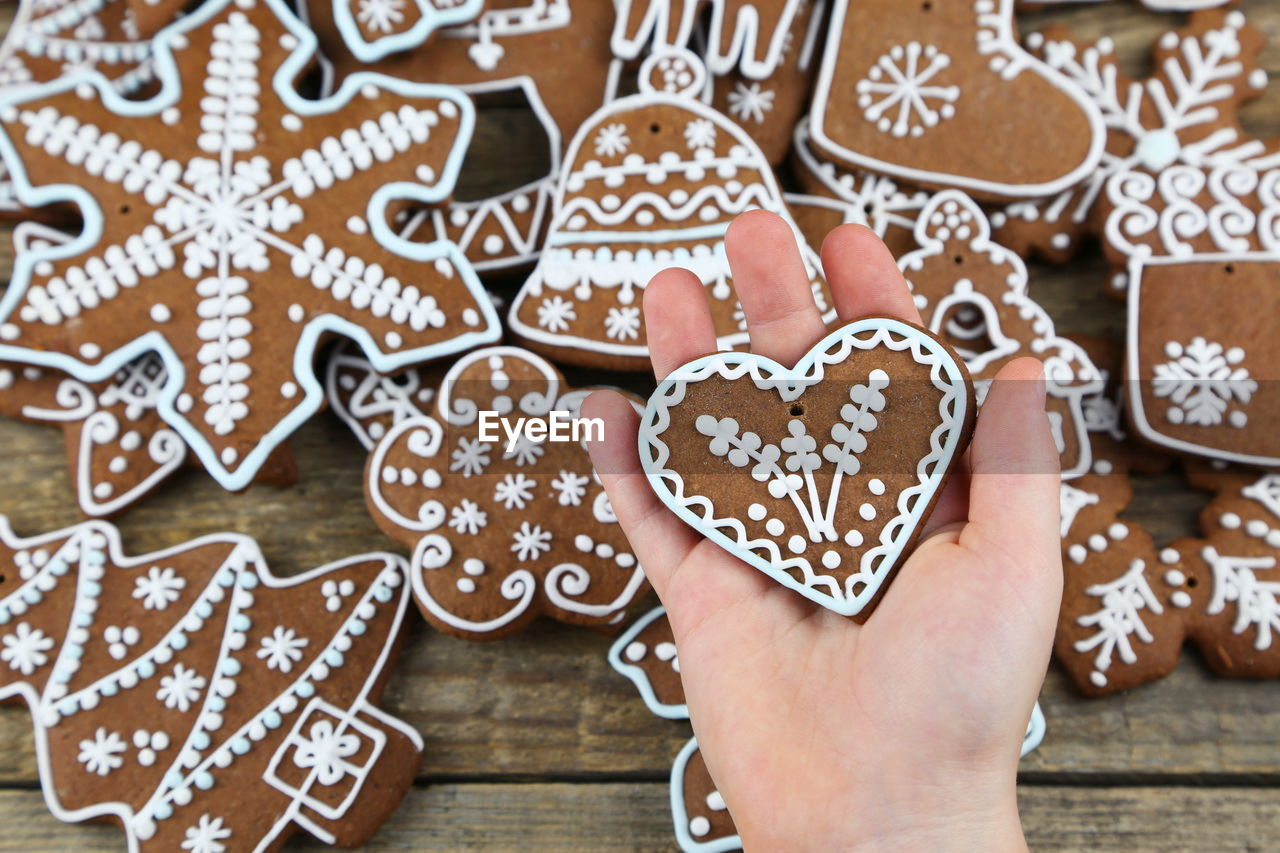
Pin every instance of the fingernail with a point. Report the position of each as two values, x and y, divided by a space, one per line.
1042 390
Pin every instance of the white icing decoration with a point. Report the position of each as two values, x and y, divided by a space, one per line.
848 438
1118 620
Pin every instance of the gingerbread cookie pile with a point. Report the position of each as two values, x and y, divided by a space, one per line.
234 213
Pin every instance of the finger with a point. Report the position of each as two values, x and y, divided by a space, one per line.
1013 493
660 539
677 320
863 276
771 283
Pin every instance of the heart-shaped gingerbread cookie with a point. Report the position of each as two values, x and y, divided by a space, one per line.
819 475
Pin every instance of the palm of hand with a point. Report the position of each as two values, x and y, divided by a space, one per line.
821 733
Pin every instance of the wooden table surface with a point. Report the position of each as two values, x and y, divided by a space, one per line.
534 743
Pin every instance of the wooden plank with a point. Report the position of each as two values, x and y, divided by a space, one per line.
560 818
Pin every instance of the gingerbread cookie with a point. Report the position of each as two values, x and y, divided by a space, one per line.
1203 252
199 701
646 654
44 41
769 108
651 181
973 291
555 56
820 475
371 403
1185 112
879 202
507 520
119 449
234 273
372 29
747 36
904 85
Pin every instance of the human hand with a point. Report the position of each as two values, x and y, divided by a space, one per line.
822 734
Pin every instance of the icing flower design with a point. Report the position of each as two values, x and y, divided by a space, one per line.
612 140
206 836
530 532
101 753
182 689
24 649
282 649
158 588
325 750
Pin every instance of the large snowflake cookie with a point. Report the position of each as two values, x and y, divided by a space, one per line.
1185 112
501 505
651 181
973 292
821 475
199 701
941 94
232 226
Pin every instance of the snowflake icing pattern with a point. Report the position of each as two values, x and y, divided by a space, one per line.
182 689
206 836
468 518
622 324
1202 380
282 649
471 457
750 103
201 219
901 82
158 588
101 754
531 542
514 491
380 16
24 649
700 133
612 140
570 488
555 313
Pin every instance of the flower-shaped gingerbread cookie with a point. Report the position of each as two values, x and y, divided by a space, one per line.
198 700
507 519
232 225
974 292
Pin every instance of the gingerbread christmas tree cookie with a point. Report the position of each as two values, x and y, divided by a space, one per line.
250 226
197 700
